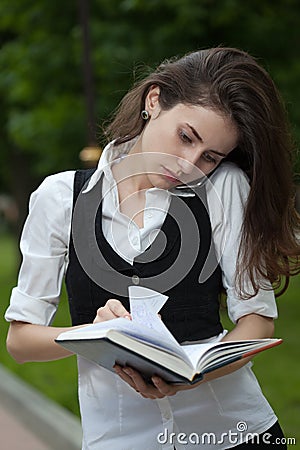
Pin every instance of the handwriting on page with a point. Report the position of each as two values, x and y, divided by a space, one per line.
144 307
142 313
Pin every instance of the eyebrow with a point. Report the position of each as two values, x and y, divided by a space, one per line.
195 133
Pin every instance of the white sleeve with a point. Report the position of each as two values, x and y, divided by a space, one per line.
227 193
44 246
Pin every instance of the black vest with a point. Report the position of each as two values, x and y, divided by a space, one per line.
97 273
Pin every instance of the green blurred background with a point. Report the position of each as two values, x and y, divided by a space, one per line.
56 82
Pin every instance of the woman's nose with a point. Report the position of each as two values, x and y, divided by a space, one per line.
185 166
188 165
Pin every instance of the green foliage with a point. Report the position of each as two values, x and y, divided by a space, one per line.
42 100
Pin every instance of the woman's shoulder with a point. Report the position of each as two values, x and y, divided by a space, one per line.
229 171
229 174
54 190
228 182
61 180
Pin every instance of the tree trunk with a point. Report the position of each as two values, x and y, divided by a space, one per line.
21 182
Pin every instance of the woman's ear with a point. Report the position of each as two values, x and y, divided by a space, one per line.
152 102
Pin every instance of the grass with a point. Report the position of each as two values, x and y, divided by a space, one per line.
278 370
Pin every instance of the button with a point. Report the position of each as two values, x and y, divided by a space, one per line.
135 279
149 215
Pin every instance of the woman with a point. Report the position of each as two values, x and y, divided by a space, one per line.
193 193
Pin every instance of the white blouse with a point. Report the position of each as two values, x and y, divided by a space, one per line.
114 416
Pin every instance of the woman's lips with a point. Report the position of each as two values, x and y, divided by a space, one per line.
167 173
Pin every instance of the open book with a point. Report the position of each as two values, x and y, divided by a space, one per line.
130 343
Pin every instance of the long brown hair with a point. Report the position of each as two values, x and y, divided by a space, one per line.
232 82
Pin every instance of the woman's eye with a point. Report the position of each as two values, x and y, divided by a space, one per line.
209 158
185 137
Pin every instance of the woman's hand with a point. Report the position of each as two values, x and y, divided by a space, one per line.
159 389
112 310
252 326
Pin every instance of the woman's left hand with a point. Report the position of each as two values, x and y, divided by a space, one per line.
251 326
159 389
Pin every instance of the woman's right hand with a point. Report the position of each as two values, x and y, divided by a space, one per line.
112 310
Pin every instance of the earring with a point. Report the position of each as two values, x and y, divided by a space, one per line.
145 114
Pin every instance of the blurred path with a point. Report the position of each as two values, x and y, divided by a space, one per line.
30 421
15 436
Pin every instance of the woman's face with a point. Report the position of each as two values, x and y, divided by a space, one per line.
183 142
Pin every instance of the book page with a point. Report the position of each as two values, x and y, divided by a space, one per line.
155 300
195 351
144 307
213 352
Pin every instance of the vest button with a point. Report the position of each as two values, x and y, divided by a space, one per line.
135 279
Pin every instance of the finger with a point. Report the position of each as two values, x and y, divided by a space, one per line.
134 379
103 314
141 386
117 309
129 381
164 388
119 371
112 310
152 397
